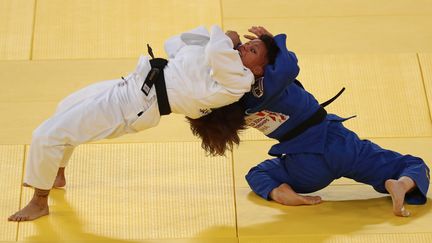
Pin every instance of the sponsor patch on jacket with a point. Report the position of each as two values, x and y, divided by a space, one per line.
258 87
266 121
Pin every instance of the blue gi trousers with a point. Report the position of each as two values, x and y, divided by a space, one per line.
344 155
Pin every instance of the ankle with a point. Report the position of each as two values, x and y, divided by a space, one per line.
39 202
40 197
407 183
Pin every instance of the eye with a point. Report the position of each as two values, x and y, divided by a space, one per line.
253 51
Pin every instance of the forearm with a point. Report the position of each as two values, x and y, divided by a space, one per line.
226 66
235 38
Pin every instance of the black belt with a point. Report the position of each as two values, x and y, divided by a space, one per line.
156 77
315 119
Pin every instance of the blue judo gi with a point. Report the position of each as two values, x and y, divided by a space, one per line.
323 152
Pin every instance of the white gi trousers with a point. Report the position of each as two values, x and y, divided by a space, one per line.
106 109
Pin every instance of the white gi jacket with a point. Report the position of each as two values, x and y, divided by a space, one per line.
203 72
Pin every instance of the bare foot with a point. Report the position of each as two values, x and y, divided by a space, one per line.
36 208
60 180
285 195
397 191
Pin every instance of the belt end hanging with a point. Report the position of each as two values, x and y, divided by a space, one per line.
150 51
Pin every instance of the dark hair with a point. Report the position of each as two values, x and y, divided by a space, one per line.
219 130
272 48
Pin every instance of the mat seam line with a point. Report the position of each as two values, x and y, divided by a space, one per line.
221 13
424 86
329 16
21 187
33 30
234 194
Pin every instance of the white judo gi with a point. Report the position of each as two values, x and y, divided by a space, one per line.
203 72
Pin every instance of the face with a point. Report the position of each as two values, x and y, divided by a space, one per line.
254 56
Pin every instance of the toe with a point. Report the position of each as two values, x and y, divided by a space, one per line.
404 212
312 200
317 199
13 217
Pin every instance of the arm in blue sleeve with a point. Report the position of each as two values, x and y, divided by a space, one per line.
285 69
277 76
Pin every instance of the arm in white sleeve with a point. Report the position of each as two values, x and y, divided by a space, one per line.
226 66
173 45
197 36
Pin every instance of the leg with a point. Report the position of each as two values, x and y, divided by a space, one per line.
398 189
106 114
405 177
280 179
37 207
51 148
266 176
60 180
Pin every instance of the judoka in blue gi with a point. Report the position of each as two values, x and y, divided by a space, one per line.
315 148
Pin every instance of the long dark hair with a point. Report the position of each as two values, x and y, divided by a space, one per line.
219 130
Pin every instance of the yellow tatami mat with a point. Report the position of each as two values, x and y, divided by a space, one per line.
157 185
387 84
34 89
385 91
349 213
426 67
139 191
335 8
251 153
16 29
11 163
346 34
22 119
96 29
34 81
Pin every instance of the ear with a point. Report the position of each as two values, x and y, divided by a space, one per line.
258 71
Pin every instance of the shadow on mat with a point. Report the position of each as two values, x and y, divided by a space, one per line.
63 224
326 222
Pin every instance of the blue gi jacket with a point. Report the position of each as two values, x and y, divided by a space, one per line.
280 105
323 152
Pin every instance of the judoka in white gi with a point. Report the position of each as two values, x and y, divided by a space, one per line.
204 71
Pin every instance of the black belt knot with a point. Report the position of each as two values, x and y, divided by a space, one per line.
156 77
